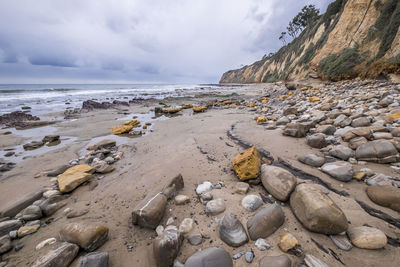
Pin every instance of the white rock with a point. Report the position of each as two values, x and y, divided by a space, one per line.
46 242
262 245
204 188
252 202
50 193
186 225
170 221
159 230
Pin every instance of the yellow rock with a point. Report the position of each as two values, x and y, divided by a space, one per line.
199 109
228 102
171 110
395 116
121 129
283 96
314 99
291 93
261 119
27 230
209 104
144 127
304 89
247 164
74 177
314 88
186 106
252 104
132 123
287 242
359 175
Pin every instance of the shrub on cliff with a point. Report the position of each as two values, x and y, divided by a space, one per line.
337 67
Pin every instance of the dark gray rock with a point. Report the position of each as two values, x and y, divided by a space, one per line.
94 259
5 244
8 226
58 171
326 129
355 142
210 257
342 152
231 231
361 122
276 261
380 151
339 170
317 140
312 160
265 222
31 213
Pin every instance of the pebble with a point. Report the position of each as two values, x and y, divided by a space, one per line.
241 188
159 230
215 207
262 245
195 239
181 199
252 202
204 188
249 256
46 242
186 225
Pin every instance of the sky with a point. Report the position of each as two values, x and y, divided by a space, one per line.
138 41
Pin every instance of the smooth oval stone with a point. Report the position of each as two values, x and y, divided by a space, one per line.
231 231
386 196
342 152
94 259
367 237
265 222
249 256
341 241
5 244
381 151
61 256
275 261
278 181
312 160
312 261
215 207
316 211
166 247
210 257
287 242
195 239
186 225
204 188
252 202
88 236
31 213
262 245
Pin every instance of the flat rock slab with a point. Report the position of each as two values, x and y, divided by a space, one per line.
74 177
340 170
21 204
61 256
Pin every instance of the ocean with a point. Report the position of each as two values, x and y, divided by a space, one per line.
45 98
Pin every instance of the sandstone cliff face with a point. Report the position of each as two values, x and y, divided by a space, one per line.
354 38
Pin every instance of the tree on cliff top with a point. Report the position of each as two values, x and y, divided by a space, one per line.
302 20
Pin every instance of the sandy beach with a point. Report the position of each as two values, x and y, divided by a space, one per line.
201 147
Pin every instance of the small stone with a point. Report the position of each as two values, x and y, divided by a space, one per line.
249 256
287 242
210 257
367 237
341 152
215 207
5 244
247 164
339 170
238 255
205 197
195 239
181 200
166 247
231 231
78 213
241 188
170 221
265 222
27 230
51 193
46 242
32 212
312 261
262 245
252 202
186 225
159 230
276 261
204 188
312 160
317 140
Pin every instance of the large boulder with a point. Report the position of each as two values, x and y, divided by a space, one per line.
265 222
317 140
166 247
386 196
311 160
275 261
87 235
340 170
231 231
277 181
367 237
74 177
210 257
316 211
61 256
247 164
380 151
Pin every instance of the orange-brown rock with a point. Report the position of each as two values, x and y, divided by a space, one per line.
247 164
121 129
73 177
199 109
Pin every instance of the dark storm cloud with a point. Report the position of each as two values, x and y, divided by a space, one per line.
137 41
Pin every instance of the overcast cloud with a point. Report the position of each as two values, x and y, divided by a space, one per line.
174 41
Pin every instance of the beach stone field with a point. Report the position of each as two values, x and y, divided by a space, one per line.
300 174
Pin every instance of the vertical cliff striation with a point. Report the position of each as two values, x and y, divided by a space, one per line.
354 38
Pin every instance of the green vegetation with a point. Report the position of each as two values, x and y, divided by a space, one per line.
339 66
308 54
228 95
25 107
